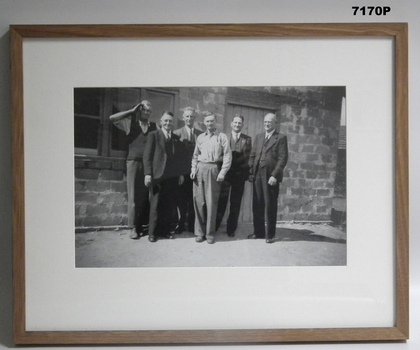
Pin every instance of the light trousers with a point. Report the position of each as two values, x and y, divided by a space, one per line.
206 192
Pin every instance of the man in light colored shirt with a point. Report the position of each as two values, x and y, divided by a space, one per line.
210 162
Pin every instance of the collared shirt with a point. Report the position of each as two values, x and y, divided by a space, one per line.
190 132
166 134
235 135
212 147
268 134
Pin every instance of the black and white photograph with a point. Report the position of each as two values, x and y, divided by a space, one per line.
210 176
195 183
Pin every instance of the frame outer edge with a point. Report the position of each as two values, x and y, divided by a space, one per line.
402 181
398 333
16 52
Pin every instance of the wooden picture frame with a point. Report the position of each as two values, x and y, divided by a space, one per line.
398 332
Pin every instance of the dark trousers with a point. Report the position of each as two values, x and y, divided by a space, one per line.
236 189
162 204
137 196
264 205
185 204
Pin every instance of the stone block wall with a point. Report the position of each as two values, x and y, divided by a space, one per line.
307 191
100 192
202 99
309 185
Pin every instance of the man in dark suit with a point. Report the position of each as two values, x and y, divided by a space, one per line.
188 135
238 173
267 161
165 162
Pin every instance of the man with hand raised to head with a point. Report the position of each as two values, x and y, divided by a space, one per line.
135 123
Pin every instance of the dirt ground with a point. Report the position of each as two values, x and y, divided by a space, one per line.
295 245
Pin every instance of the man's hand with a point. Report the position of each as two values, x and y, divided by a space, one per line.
220 178
192 176
137 108
147 180
251 178
272 181
181 180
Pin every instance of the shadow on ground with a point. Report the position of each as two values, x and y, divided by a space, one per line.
320 233
295 245
283 234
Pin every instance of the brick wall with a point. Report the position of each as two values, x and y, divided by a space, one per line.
307 191
202 99
100 192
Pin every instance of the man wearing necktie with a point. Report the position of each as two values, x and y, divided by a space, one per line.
211 160
238 173
165 162
188 135
267 162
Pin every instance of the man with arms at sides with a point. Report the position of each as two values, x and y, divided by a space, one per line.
165 162
235 178
267 161
188 135
135 123
211 160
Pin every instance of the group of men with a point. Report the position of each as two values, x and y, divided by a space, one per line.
186 177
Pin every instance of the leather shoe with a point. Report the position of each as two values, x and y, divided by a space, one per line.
134 234
152 239
231 234
178 230
210 240
253 236
199 239
169 236
269 240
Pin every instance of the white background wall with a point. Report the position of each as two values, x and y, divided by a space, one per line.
196 11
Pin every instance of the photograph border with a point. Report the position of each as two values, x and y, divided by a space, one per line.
397 31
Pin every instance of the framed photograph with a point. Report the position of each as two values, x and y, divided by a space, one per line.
97 261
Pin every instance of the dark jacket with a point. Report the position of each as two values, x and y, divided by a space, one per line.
239 168
276 154
155 157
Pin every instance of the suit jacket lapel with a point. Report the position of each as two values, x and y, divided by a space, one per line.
260 144
185 131
272 140
241 142
161 139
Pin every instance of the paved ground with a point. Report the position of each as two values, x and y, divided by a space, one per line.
295 245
